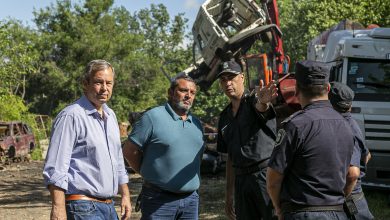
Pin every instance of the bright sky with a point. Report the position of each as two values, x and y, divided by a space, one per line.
23 9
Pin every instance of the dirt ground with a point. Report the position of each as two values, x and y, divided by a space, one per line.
22 193
24 196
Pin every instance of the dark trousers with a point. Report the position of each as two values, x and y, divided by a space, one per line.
363 211
160 205
251 198
324 215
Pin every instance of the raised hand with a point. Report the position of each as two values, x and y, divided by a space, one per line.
265 94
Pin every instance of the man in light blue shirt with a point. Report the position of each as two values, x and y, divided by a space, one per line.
166 147
84 166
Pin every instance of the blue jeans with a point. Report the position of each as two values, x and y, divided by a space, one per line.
168 206
90 210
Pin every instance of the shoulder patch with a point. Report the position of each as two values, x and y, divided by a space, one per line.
280 137
292 116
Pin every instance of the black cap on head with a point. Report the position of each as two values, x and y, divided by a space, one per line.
341 95
311 72
231 67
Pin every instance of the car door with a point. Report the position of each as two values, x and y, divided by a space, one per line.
19 139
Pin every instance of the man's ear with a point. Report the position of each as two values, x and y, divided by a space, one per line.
169 92
328 87
84 84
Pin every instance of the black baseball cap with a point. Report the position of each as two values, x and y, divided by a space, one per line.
231 67
340 95
309 72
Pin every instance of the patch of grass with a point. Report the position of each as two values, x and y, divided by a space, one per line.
212 197
379 204
36 154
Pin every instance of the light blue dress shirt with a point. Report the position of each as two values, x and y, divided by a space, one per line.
85 154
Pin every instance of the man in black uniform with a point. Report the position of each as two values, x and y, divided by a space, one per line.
341 97
247 132
306 178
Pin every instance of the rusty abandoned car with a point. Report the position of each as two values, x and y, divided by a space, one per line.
16 140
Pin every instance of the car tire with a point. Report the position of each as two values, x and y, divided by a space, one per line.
11 153
32 146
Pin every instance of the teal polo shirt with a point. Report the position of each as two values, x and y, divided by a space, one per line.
172 149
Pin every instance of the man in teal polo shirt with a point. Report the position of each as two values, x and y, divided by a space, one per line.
166 147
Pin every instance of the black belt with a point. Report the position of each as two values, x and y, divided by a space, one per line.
148 185
292 207
251 169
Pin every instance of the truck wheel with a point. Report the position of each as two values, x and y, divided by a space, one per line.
11 152
32 146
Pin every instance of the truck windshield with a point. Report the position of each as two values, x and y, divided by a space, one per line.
369 79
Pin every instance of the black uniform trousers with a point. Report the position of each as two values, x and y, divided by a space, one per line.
251 198
362 208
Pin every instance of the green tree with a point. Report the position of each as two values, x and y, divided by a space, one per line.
209 104
137 45
51 59
18 57
18 60
12 107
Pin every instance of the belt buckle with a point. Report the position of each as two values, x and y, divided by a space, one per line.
108 201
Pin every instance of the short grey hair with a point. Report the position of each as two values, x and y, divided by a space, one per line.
174 80
95 66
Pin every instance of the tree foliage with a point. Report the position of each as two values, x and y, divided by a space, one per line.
137 45
18 57
40 68
209 104
12 107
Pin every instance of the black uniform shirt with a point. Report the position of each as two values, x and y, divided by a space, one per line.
313 152
360 151
249 136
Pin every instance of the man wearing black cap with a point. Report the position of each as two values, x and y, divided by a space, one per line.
341 97
306 178
247 132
